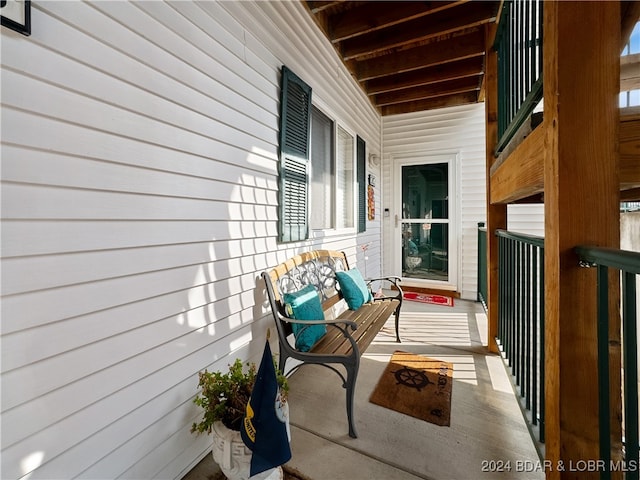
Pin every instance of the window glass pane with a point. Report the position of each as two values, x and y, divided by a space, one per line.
322 204
345 180
425 191
634 41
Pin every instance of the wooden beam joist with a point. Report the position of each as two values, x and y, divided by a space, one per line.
441 89
520 175
630 72
455 47
373 16
439 102
426 76
629 152
632 195
420 29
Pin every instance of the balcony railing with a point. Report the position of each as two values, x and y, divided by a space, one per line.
628 264
521 334
521 318
518 45
482 264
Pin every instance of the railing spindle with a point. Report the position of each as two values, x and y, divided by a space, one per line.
521 318
630 354
628 263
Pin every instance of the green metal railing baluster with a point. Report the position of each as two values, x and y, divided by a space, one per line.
526 300
541 368
512 304
628 263
521 316
630 356
516 309
519 48
482 264
603 369
534 318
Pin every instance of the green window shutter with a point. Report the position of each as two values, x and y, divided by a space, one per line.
362 185
295 128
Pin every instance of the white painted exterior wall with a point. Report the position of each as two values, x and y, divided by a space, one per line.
458 130
526 218
139 205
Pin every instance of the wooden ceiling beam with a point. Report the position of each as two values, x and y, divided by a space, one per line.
430 104
454 47
438 73
632 195
372 16
441 89
630 72
418 30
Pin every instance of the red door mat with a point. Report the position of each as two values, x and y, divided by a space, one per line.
428 298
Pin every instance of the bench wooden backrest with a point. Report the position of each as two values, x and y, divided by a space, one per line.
316 268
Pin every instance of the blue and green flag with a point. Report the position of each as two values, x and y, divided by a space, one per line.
264 427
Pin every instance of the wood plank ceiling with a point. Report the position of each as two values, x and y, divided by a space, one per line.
410 56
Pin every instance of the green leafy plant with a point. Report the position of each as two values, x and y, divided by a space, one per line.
224 396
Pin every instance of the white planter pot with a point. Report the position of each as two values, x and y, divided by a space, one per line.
233 456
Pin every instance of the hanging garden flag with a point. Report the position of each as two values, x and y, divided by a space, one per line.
264 428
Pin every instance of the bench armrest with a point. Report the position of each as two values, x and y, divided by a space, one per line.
394 280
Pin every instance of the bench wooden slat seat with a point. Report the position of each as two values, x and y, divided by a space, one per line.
349 332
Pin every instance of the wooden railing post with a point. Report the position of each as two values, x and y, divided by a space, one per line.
496 214
581 194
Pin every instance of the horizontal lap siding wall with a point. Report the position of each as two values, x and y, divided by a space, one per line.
139 205
461 130
458 130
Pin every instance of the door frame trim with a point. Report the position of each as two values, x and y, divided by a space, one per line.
452 158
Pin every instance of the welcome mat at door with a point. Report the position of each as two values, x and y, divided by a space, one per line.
429 298
417 386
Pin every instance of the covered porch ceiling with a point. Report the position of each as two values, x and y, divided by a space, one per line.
410 56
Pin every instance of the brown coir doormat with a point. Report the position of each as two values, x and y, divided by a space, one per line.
417 386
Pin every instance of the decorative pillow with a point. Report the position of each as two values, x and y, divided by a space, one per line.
305 305
353 288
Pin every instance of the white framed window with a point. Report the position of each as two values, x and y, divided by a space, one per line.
322 211
318 176
332 195
345 179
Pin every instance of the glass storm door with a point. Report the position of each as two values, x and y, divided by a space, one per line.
425 221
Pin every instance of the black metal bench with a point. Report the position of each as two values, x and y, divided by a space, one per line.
349 332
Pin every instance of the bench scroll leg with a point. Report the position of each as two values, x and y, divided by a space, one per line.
352 374
397 315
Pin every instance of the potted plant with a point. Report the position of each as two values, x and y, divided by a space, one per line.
224 398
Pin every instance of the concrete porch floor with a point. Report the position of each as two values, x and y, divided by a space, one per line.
488 437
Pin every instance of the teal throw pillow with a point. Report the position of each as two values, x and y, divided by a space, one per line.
353 288
305 305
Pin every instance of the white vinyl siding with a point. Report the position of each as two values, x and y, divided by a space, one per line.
139 204
457 130
526 218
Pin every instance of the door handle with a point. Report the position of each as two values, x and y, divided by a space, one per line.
396 220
